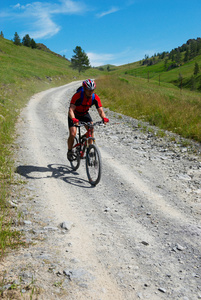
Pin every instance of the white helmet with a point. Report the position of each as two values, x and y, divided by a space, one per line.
89 84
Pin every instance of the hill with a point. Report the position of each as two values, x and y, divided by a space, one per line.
20 62
107 67
44 48
176 67
163 90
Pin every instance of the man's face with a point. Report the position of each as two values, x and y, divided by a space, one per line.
88 93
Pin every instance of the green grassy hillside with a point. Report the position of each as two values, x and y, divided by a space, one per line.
160 72
158 90
164 106
19 62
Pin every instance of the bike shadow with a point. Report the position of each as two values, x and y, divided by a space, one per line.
53 171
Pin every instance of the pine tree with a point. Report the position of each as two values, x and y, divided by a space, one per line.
187 54
196 68
16 39
26 41
193 49
178 57
1 35
33 44
80 60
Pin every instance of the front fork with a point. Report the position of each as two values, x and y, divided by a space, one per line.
87 142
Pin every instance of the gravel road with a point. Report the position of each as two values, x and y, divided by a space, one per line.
136 235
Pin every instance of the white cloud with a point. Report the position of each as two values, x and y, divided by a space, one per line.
124 57
97 60
44 27
64 51
130 2
108 12
37 17
17 6
69 7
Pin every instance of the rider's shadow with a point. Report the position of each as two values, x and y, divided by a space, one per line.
52 171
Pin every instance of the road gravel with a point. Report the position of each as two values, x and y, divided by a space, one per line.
136 235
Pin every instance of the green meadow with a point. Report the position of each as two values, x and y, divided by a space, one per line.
165 106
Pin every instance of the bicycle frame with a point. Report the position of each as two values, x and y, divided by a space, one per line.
84 141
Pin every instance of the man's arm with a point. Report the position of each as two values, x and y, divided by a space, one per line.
101 112
102 115
72 114
71 111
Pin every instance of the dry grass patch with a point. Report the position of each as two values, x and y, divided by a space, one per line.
164 107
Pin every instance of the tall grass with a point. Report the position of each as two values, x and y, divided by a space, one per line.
164 107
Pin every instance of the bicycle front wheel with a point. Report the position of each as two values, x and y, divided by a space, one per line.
93 164
75 163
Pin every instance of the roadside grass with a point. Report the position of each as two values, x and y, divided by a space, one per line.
164 106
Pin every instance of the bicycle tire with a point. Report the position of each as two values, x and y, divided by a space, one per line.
75 163
93 164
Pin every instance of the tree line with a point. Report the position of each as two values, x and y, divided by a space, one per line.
178 55
79 60
26 41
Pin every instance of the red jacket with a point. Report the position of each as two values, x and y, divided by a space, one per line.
82 106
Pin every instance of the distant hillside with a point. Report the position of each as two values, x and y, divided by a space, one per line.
21 62
44 48
107 67
176 56
181 66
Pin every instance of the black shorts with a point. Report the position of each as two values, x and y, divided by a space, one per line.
86 118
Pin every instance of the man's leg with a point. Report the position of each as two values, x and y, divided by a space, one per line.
70 141
87 118
92 134
72 134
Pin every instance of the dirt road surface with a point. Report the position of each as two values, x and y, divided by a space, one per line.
136 235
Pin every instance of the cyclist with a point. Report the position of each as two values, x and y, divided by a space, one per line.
80 103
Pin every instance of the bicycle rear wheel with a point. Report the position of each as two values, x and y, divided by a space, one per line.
93 164
75 163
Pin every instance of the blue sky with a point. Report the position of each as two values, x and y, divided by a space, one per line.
110 32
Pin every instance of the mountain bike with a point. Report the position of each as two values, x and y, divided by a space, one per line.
85 147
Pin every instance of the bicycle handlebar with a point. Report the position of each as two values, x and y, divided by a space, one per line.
89 124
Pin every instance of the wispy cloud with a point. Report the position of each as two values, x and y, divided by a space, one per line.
115 9
130 2
37 17
108 12
100 59
124 57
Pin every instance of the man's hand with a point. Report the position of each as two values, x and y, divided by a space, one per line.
105 120
75 121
